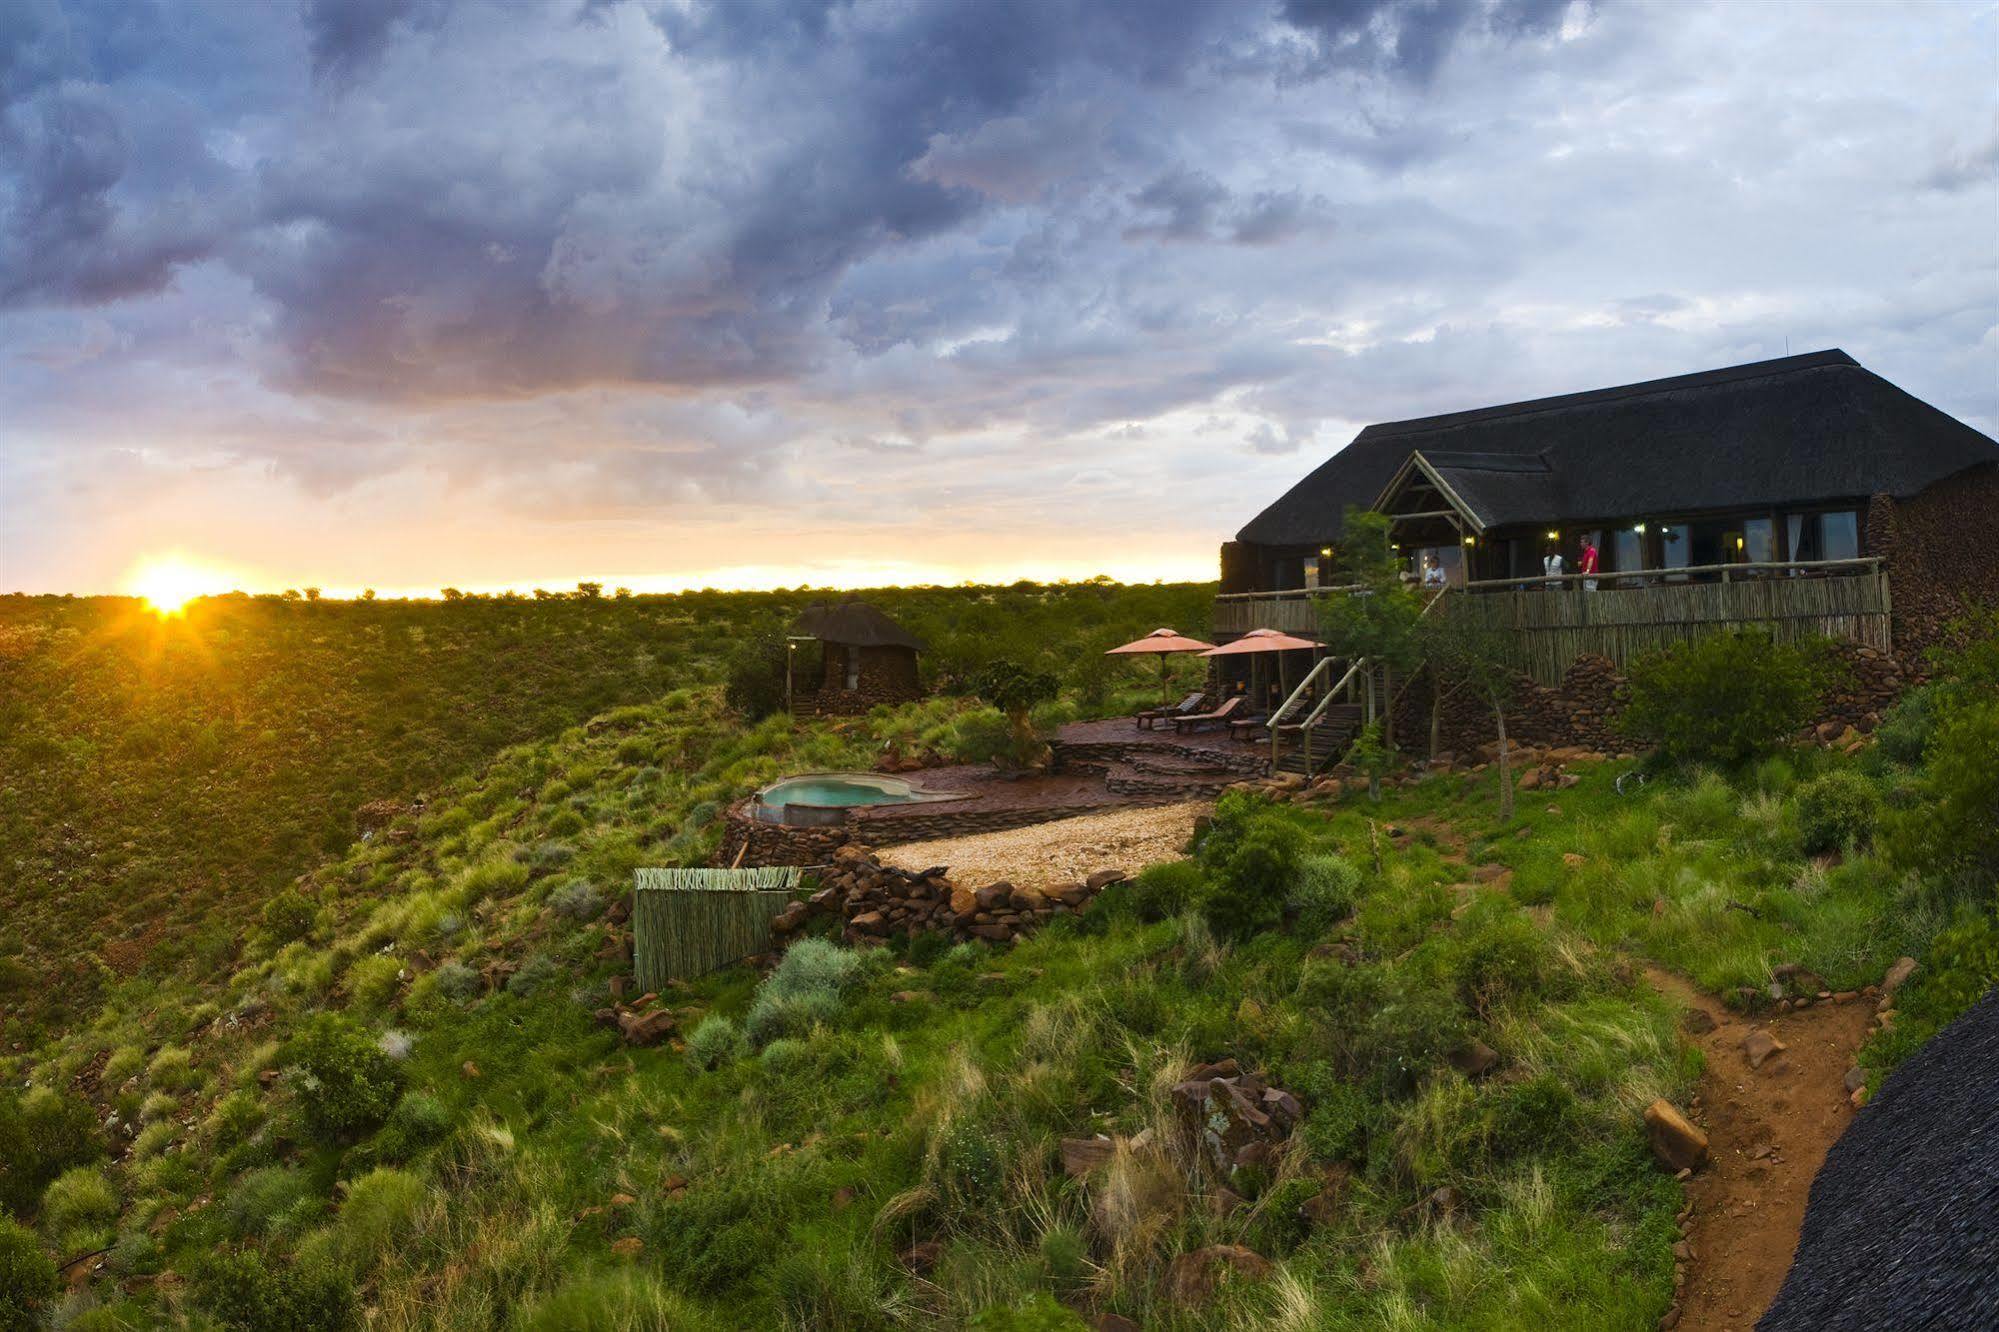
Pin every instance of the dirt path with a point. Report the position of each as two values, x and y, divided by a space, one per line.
1768 1132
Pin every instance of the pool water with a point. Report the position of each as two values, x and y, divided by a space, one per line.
840 789
824 798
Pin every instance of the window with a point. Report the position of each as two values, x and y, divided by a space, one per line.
1824 536
1628 555
1759 540
1674 548
1711 542
853 667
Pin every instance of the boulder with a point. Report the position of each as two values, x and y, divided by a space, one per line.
1898 975
1070 894
790 918
1675 1140
870 922
1759 1045
921 1258
1475 1059
964 902
1192 1277
1082 1157
995 896
645 1028
1104 878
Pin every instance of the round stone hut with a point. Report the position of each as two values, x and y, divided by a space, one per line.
847 657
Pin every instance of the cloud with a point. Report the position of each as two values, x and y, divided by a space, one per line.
642 265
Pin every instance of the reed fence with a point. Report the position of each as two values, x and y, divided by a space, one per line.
1546 629
689 922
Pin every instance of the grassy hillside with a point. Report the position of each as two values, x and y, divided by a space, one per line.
165 777
397 1101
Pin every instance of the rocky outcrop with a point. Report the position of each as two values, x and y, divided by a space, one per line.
877 901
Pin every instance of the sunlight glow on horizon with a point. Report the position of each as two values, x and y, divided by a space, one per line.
167 583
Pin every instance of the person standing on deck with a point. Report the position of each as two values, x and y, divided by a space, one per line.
1588 566
1551 565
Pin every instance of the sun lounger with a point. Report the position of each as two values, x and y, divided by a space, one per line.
1184 707
1225 713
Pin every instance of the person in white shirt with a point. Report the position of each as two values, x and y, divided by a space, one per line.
1551 565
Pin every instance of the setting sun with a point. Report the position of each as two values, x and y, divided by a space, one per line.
168 582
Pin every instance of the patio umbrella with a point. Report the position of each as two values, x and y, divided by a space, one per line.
1264 640
1161 643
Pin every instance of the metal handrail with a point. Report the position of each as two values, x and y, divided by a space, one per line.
1865 563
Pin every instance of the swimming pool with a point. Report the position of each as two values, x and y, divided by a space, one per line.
825 797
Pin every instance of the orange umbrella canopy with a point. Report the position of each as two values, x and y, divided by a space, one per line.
1261 640
1161 641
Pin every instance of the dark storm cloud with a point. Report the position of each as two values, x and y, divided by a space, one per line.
670 253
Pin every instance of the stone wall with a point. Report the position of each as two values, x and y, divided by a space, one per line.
877 901
749 842
1942 553
759 843
1582 711
888 676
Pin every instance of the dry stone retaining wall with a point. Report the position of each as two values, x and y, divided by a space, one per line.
877 901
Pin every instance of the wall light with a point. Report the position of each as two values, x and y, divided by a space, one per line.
1738 543
1639 528
1554 536
1325 552
1471 541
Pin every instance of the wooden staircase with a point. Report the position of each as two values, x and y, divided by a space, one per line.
1316 748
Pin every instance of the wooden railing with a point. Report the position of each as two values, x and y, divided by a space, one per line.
1292 612
1548 622
1360 672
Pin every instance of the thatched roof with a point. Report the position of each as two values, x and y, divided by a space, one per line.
1902 1229
1805 429
854 623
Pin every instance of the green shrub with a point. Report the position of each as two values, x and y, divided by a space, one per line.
78 1202
978 735
1163 891
239 1291
1039 1313
1837 811
715 1042
289 915
172 1069
1323 893
809 986
418 1121
1252 855
374 981
1497 955
536 974
381 1208
264 1200
1380 1022
576 900
1906 727
1959 832
498 876
457 981
756 675
1724 699
345 1083
42 1134
609 1302
28 1283
235 1117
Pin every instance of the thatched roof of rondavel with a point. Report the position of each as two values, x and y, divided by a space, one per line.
1799 430
854 623
1902 1229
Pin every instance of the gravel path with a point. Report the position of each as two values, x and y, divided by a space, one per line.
1061 851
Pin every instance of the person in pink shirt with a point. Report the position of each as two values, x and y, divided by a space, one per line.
1588 565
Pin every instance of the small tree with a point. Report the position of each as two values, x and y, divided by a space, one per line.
1379 621
1017 691
1466 651
1723 699
589 591
755 686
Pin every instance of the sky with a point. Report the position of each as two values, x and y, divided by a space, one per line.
412 293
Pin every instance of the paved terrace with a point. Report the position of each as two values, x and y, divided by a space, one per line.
1099 766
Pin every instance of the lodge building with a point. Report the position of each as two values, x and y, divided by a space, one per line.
1806 494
